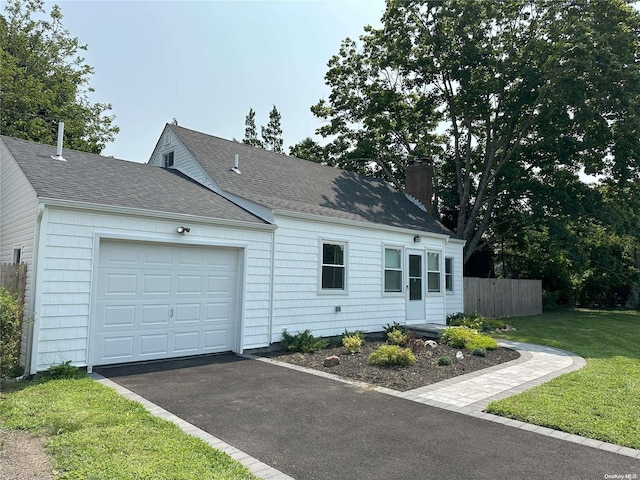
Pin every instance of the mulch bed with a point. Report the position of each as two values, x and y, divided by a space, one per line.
425 372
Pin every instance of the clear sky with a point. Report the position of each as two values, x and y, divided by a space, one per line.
207 63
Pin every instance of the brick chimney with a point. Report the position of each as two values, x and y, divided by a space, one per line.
419 182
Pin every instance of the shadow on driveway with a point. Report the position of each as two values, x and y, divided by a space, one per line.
314 428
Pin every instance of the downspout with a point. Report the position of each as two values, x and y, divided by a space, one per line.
444 270
31 351
271 290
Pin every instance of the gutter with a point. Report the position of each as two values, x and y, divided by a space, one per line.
31 361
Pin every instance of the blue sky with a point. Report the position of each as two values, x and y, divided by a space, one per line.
206 63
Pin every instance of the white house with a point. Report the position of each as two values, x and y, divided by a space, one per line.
213 246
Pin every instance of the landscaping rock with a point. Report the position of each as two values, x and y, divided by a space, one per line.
459 355
331 361
431 344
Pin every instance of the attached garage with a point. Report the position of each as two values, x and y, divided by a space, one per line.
161 300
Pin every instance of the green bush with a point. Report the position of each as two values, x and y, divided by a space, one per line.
390 327
474 321
479 352
356 333
352 344
443 361
64 370
392 355
396 337
465 337
10 322
302 342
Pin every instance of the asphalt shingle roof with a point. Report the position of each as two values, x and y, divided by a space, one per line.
90 178
281 182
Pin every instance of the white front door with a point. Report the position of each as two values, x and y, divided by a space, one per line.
415 285
159 301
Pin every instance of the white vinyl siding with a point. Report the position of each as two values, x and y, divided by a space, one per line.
66 275
454 299
298 305
18 219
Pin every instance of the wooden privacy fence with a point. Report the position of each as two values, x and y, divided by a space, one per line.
14 278
502 297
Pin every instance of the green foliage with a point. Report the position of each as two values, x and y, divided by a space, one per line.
479 352
464 337
396 337
64 370
444 361
474 321
93 432
392 355
272 133
302 342
389 327
352 344
355 333
10 323
308 149
250 132
44 80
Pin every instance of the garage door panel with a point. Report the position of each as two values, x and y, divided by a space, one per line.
156 345
186 342
189 284
161 301
156 284
187 312
118 316
155 314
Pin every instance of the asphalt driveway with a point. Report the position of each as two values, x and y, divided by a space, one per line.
314 428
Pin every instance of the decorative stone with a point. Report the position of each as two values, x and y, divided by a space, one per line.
331 361
431 344
459 355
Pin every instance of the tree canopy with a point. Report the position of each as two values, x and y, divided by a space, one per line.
44 80
512 101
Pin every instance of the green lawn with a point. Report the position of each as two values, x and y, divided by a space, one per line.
602 400
94 433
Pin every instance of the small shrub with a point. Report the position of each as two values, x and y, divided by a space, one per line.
465 337
479 352
392 355
389 327
443 361
352 344
10 321
64 370
396 337
416 345
356 333
302 342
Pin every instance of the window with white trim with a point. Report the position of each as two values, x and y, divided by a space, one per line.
167 160
433 272
334 270
17 255
448 274
392 270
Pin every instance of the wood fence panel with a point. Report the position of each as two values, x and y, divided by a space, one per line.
14 278
502 297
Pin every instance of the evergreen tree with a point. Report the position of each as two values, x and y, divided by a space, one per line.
272 133
250 132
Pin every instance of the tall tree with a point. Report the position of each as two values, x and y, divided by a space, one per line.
44 80
523 90
250 131
308 149
272 133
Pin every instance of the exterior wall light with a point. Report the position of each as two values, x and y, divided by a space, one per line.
417 239
182 230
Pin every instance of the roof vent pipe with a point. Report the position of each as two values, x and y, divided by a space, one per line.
58 155
236 165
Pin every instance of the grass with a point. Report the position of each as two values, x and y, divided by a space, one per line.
94 433
602 400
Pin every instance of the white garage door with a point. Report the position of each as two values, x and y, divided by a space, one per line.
159 301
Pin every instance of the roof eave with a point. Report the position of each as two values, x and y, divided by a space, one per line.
114 209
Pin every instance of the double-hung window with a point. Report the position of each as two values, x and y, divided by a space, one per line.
392 270
433 272
334 269
448 274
